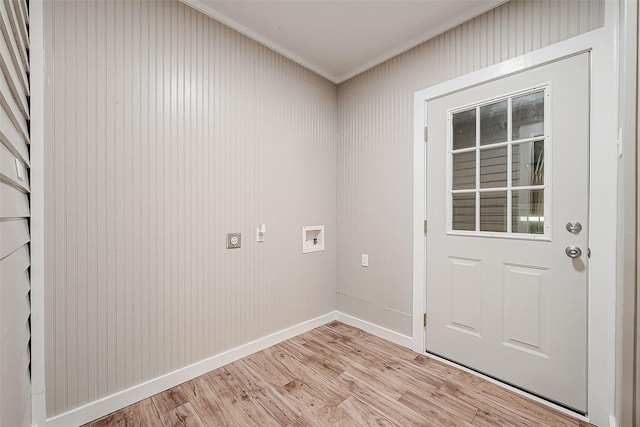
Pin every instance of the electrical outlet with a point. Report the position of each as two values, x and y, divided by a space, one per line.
365 260
234 240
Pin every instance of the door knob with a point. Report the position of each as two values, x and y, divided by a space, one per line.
573 251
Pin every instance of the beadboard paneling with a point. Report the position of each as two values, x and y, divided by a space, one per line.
15 306
375 154
167 130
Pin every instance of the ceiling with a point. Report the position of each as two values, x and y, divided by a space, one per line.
339 39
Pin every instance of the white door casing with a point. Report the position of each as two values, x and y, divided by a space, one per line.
514 306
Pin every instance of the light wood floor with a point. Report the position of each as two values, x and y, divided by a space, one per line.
337 375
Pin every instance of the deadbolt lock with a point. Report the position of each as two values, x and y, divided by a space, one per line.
574 227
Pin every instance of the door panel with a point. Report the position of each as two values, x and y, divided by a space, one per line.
465 313
507 169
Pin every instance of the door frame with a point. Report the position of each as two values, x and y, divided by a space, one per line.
604 146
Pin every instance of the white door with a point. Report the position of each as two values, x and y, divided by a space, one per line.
507 191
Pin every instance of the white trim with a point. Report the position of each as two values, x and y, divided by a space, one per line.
419 216
209 10
603 44
37 83
432 33
206 8
612 421
376 330
108 404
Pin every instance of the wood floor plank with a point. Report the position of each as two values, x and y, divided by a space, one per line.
287 363
324 332
401 369
264 395
317 406
459 408
433 366
494 408
393 349
387 405
348 330
181 416
170 399
329 368
327 349
330 393
368 357
302 422
485 418
304 372
297 349
384 353
376 376
354 412
516 402
205 402
487 409
338 375
424 405
242 406
113 419
416 375
268 368
142 414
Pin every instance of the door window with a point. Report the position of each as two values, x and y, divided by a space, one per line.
498 184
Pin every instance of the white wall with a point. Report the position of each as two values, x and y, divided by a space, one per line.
375 153
15 407
163 131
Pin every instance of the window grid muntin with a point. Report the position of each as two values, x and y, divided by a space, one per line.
509 143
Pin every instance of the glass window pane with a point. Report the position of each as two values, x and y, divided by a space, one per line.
527 115
527 163
464 212
527 212
493 168
493 211
464 170
493 123
464 129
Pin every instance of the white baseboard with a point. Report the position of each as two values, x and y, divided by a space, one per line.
376 330
108 404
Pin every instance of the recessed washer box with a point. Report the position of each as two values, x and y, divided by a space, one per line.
312 238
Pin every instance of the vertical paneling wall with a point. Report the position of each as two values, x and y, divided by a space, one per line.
15 384
166 130
375 154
